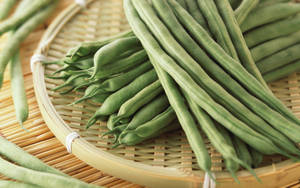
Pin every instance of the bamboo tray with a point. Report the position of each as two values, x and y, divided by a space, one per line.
164 161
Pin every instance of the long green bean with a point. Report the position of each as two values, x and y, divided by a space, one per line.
270 47
279 59
40 178
242 150
272 30
268 14
22 32
143 97
16 154
217 139
5 8
184 117
217 26
238 39
117 82
12 184
244 9
231 165
282 71
18 89
148 112
194 10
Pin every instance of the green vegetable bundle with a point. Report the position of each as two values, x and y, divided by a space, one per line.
195 64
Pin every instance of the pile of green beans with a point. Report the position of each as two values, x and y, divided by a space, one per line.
201 66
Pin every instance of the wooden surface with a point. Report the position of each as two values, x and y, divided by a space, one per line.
39 141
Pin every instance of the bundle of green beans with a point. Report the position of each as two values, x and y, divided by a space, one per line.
27 16
216 76
30 171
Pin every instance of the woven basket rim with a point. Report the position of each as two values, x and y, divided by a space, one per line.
107 162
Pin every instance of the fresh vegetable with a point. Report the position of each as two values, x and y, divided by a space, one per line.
5 8
18 89
39 178
268 14
244 9
279 59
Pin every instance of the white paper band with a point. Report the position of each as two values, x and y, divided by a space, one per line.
35 59
69 140
81 2
208 182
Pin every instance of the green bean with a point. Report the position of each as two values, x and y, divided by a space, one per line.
194 10
257 157
91 91
270 47
89 48
140 99
71 81
231 165
110 124
20 18
137 136
16 154
212 88
122 64
116 132
109 52
188 84
265 3
5 8
39 178
184 117
12 184
100 98
182 3
217 26
242 150
114 101
21 33
282 71
117 82
148 129
216 137
244 9
232 66
238 39
279 59
272 30
268 14
18 89
149 111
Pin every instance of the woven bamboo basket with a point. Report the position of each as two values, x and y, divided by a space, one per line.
167 161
